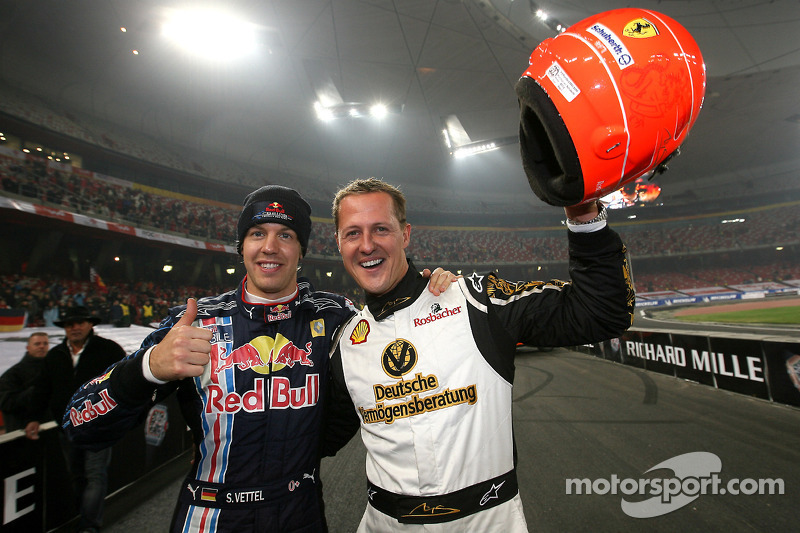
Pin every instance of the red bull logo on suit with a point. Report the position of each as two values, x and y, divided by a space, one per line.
282 396
262 355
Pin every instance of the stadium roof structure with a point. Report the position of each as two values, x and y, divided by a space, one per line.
426 59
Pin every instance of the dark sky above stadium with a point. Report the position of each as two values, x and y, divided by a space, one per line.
435 58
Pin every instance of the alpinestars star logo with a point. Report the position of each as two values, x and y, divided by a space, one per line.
477 281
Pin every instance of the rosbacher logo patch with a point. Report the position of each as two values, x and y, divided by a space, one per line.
436 313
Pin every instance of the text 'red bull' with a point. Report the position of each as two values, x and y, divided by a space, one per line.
282 396
91 410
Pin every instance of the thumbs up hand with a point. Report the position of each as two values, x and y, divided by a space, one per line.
184 351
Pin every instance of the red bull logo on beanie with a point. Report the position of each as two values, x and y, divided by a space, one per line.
272 210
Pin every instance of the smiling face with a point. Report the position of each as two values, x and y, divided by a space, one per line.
372 241
271 253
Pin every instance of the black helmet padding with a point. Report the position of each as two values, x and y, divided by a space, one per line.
549 158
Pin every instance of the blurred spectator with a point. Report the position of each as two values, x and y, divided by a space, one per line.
82 356
147 312
115 314
16 383
51 314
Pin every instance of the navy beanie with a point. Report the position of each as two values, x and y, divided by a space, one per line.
279 205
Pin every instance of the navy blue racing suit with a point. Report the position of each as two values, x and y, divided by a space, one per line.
255 413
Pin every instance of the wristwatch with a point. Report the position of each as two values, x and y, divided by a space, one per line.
601 215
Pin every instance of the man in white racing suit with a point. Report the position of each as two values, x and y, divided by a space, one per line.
429 378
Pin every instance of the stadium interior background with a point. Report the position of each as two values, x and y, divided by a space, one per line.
174 141
120 156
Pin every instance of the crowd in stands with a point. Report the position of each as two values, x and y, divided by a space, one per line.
34 179
146 302
769 226
716 277
121 304
118 201
57 185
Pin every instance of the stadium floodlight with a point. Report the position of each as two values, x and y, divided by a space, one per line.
323 113
378 110
543 17
480 147
460 145
211 34
474 148
355 110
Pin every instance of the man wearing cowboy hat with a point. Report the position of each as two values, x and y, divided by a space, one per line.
82 356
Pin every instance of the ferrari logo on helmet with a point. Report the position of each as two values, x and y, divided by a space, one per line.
640 28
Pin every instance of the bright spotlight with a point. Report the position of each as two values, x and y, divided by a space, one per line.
230 270
378 111
210 34
167 268
323 113
474 148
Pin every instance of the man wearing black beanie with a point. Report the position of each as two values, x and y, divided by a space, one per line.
281 205
251 369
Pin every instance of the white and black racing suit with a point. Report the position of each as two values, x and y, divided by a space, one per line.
429 380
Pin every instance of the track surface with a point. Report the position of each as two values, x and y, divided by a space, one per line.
577 416
662 318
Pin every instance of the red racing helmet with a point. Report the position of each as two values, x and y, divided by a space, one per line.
606 102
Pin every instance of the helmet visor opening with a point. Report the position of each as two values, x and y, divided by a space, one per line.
548 154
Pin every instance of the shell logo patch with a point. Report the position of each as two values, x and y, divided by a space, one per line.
360 332
640 28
